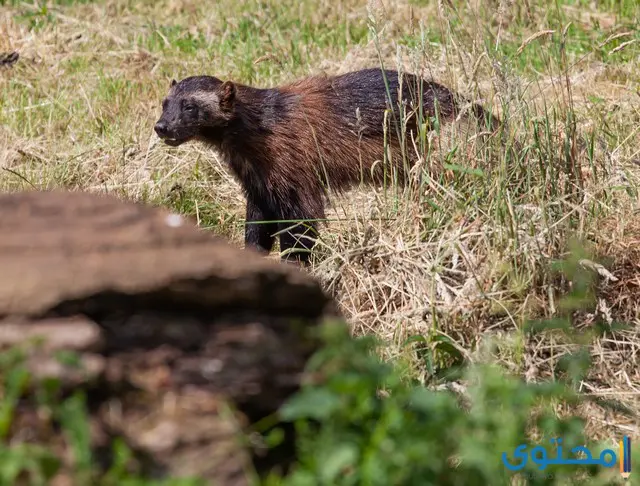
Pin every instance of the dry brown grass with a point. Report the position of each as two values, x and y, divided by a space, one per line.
460 256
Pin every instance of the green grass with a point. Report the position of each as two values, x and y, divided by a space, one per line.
433 271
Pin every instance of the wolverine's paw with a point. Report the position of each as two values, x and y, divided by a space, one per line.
298 257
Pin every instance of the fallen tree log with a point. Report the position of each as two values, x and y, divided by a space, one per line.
182 340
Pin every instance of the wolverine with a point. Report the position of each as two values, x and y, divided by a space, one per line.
288 145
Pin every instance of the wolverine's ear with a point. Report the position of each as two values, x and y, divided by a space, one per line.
173 83
227 94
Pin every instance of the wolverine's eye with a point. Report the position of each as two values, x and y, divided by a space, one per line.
188 108
165 103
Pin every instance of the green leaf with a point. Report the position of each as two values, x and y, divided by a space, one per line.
464 170
343 456
73 416
16 382
313 403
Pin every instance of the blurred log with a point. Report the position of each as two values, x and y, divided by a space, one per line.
182 339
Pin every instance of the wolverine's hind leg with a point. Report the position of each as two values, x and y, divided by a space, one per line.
297 241
298 229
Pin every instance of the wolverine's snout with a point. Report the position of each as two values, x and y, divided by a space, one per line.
161 129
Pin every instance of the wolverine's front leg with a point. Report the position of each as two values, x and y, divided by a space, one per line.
259 230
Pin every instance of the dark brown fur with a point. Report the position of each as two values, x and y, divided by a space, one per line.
288 145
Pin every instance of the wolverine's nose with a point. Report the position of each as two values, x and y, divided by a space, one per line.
161 129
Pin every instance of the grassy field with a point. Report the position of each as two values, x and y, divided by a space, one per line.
448 270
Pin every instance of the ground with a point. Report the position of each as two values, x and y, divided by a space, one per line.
465 256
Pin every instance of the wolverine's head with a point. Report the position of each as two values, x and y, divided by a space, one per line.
194 107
